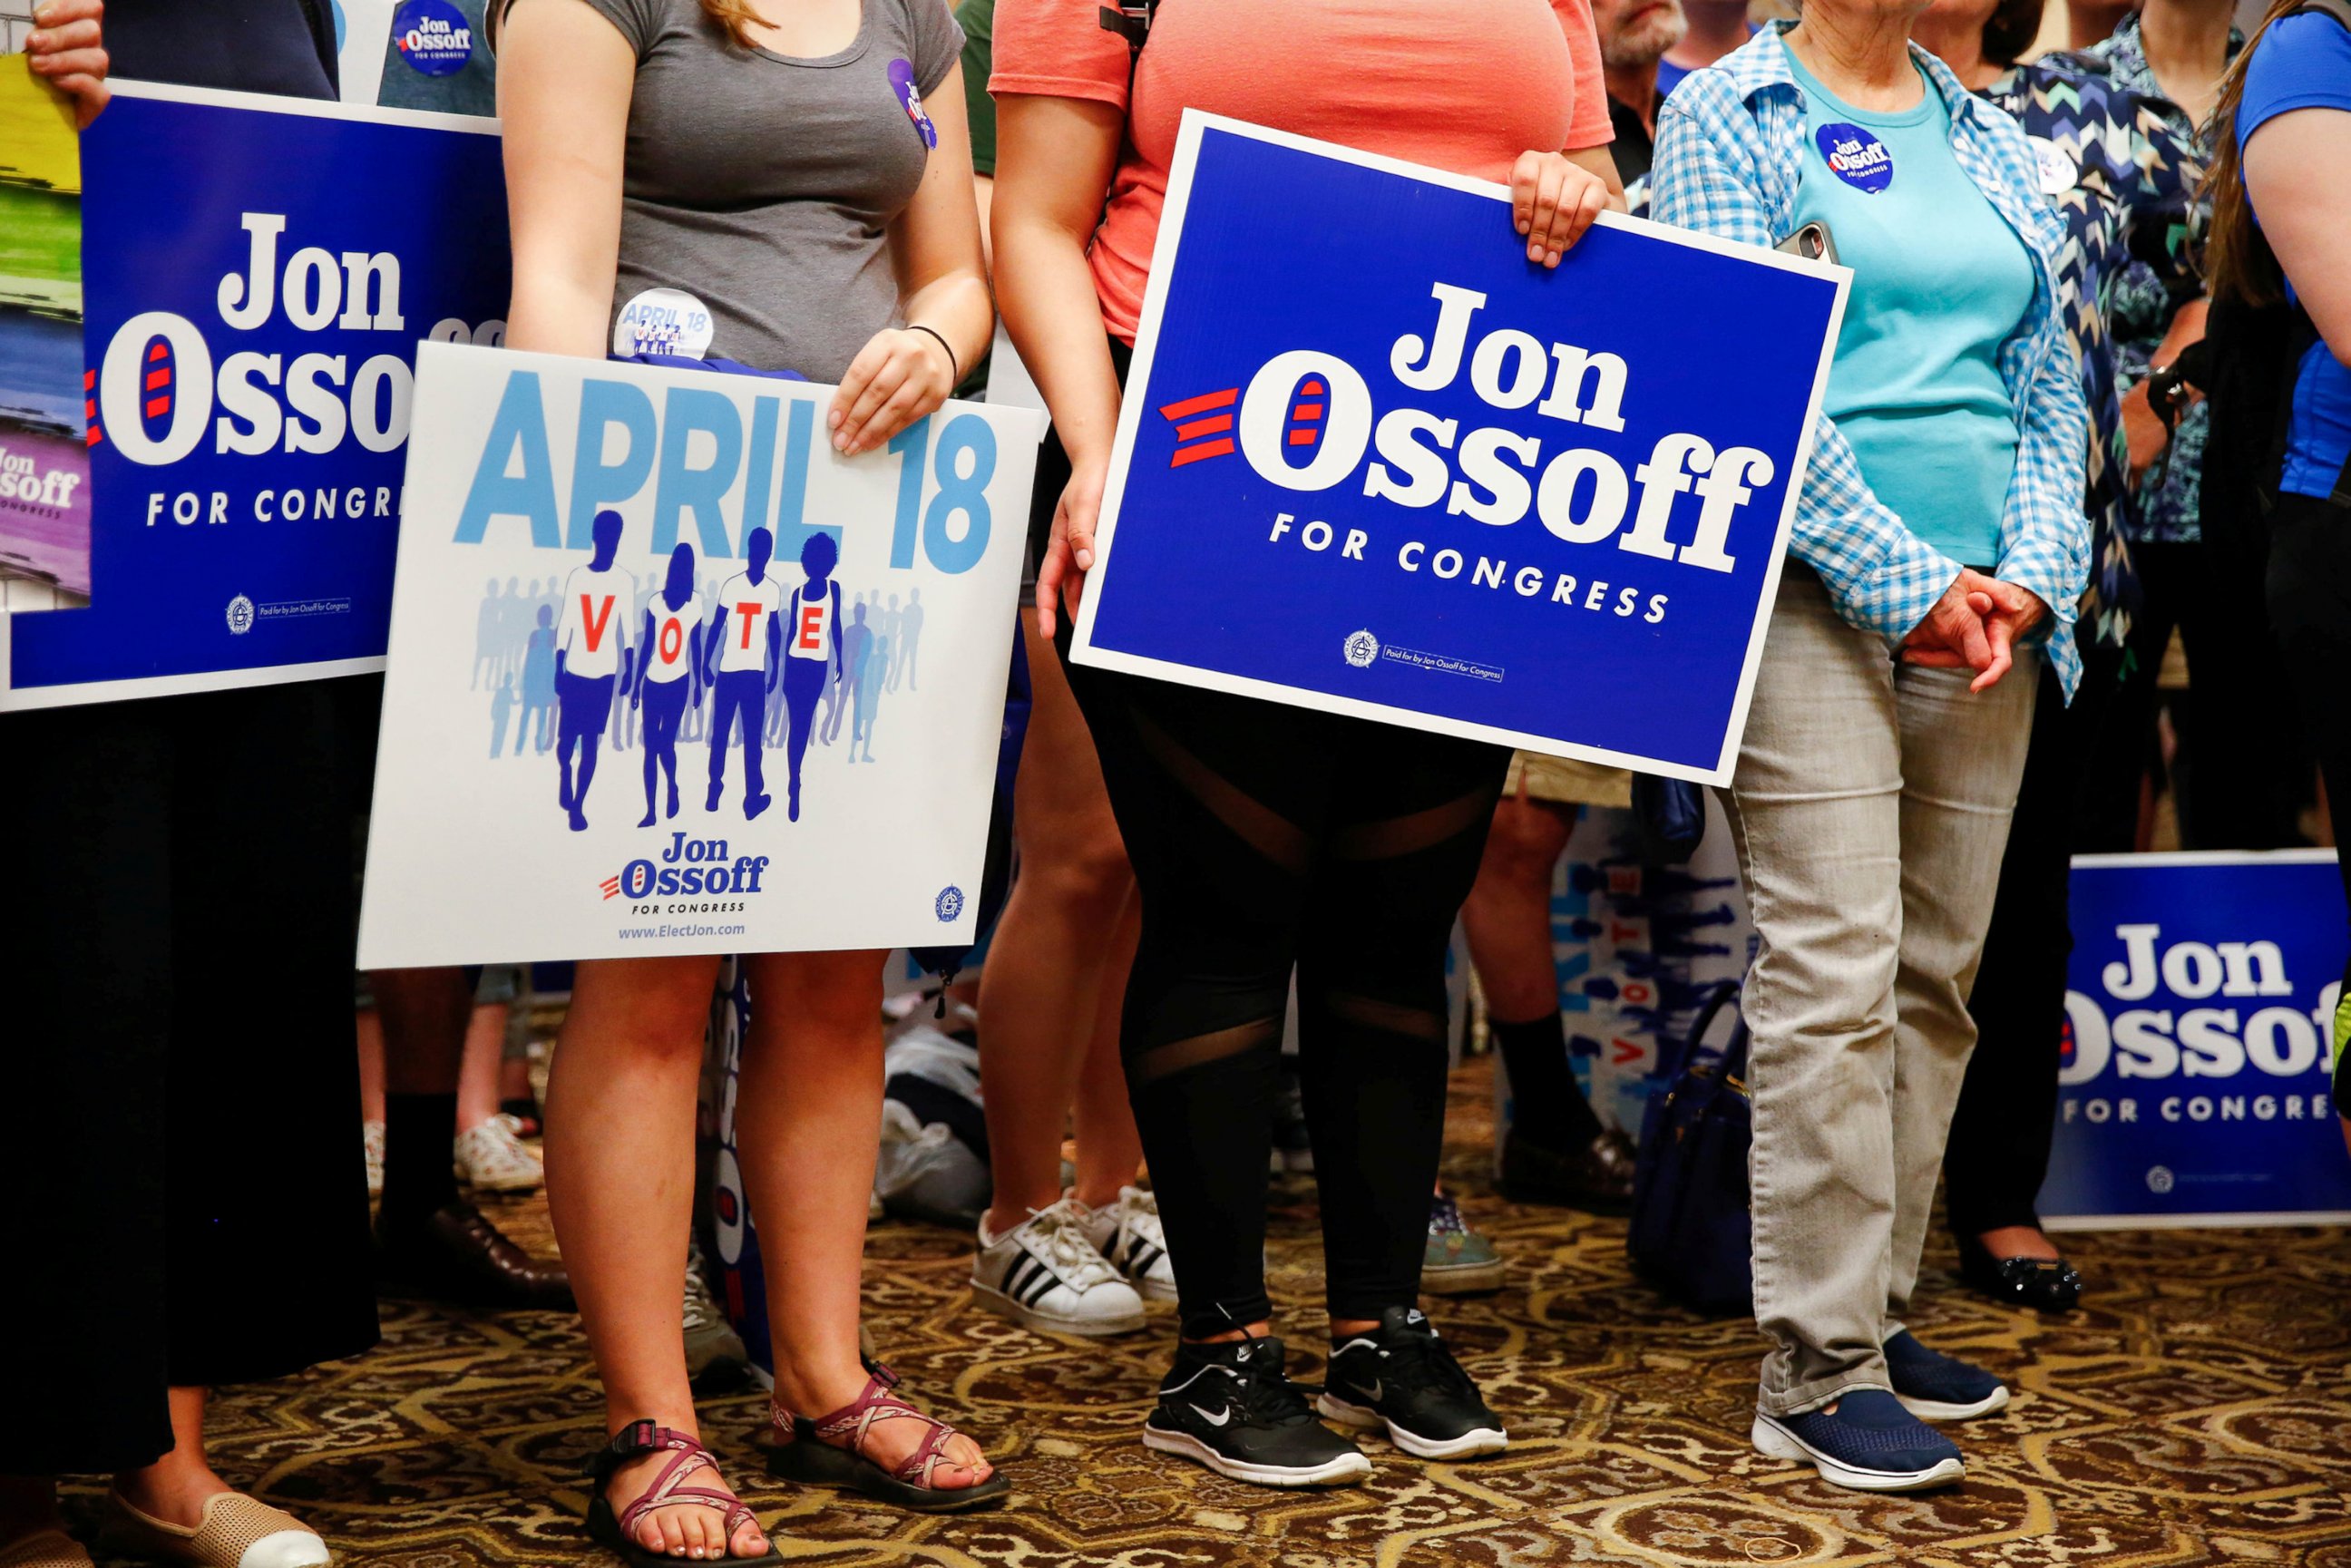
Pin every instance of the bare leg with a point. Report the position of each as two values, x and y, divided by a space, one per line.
808 1105
175 1487
423 1014
1046 984
1508 915
619 1187
477 1074
514 1078
1110 1151
370 1026
2019 1241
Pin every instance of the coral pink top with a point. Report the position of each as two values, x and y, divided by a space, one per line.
1461 85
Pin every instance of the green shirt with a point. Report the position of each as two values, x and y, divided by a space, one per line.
978 19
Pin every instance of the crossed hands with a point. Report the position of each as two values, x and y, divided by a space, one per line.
1976 625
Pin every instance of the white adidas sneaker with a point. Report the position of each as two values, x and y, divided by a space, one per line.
1044 1273
1127 1235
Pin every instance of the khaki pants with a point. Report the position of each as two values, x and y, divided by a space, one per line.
1870 808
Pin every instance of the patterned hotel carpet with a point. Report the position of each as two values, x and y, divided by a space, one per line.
2198 1412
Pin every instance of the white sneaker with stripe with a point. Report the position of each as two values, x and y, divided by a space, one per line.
1044 1273
1127 1234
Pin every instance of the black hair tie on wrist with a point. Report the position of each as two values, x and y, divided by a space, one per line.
953 363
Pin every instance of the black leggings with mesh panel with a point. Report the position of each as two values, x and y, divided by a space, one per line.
1267 838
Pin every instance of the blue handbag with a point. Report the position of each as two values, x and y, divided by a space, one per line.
1670 816
1691 1230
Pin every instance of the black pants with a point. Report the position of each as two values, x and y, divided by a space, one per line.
2309 582
1267 838
2239 771
187 1203
1997 1151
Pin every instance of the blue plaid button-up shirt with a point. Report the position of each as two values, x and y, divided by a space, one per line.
1730 158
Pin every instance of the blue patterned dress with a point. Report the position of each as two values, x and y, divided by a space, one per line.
2121 178
2146 295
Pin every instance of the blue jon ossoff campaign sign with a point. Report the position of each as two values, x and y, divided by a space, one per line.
2194 1071
257 275
1374 461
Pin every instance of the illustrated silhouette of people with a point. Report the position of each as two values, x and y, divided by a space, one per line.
857 652
514 626
865 692
487 631
502 705
836 690
588 663
521 616
908 639
670 674
538 683
780 711
812 651
625 607
745 634
886 636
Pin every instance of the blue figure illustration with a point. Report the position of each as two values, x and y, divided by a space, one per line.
509 629
745 634
670 674
485 637
910 637
857 652
537 685
867 696
888 634
836 691
811 652
501 705
588 663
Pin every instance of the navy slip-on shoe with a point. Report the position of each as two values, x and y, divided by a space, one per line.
1937 1387
1868 1442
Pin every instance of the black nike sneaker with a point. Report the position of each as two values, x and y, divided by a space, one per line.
1404 1377
1229 1408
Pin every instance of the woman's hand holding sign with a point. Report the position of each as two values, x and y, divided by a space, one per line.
1554 199
901 375
65 47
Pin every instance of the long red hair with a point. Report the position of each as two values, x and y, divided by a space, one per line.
736 17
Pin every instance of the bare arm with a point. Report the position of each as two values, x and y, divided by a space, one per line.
1054 161
565 77
2298 173
902 374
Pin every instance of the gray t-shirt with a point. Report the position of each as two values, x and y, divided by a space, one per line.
762 185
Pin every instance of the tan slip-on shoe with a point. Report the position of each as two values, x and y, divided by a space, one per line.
236 1532
49 1548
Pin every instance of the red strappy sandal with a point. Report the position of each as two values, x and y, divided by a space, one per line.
830 1451
617 1534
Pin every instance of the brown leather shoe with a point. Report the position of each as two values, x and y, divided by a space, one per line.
1596 1178
455 1254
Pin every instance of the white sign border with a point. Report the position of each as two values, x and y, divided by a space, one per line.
77 694
1195 124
